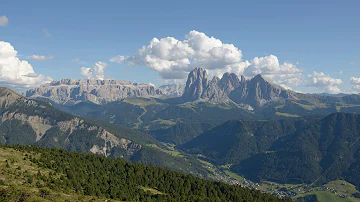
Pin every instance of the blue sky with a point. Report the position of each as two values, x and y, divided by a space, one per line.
321 36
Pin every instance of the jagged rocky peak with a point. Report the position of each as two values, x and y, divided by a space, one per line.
255 92
261 91
229 82
70 91
196 83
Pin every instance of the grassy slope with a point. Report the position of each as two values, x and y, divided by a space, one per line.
16 185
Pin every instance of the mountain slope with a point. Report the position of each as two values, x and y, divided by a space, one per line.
236 140
45 174
325 150
30 122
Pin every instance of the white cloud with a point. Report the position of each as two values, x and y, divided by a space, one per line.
41 57
324 82
173 58
4 21
285 74
117 59
16 73
87 72
356 82
341 72
96 72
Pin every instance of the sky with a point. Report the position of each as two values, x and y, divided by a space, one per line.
306 46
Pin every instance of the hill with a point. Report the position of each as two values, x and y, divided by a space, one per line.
298 150
32 173
322 151
236 140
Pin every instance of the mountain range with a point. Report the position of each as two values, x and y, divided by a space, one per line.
30 122
257 92
248 126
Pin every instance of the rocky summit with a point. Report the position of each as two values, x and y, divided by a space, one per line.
255 92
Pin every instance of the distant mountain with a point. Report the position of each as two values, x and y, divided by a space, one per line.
257 92
173 90
70 91
310 149
29 122
334 95
325 150
236 140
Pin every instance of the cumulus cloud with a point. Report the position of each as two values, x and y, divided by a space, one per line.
324 82
4 21
87 72
285 74
16 73
96 72
356 82
41 57
174 58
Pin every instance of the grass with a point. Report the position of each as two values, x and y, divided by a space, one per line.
286 115
233 175
15 169
307 107
152 191
164 122
279 106
171 152
176 153
342 187
141 102
325 196
188 106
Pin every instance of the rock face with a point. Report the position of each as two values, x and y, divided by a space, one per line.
258 91
69 91
196 83
173 90
255 92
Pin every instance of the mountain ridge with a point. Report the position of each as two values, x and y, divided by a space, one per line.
29 122
256 92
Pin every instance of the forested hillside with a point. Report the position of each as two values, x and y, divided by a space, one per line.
76 174
323 151
297 150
